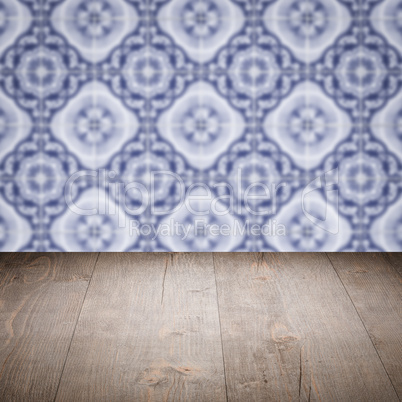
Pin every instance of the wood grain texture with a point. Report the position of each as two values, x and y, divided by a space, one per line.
40 299
290 332
376 291
395 259
148 331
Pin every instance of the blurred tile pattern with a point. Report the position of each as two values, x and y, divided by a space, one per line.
277 124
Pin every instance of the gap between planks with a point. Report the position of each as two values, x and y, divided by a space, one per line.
75 326
168 346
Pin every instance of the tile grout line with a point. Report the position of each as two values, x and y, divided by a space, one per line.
220 327
364 325
75 327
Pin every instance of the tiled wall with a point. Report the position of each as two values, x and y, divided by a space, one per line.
289 113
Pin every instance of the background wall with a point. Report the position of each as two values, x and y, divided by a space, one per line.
288 112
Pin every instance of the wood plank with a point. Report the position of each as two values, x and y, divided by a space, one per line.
395 260
376 291
149 330
290 332
40 299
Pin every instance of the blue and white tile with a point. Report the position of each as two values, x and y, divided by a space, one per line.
94 27
386 18
367 176
386 230
15 230
93 223
201 125
308 125
37 173
94 125
310 223
287 92
386 125
40 77
307 27
15 125
200 27
15 19
203 226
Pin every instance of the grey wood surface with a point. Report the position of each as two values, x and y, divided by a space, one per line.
290 332
41 296
375 290
149 330
200 327
395 259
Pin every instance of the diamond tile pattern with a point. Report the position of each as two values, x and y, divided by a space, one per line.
200 125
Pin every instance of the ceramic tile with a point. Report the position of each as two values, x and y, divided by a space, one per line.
118 120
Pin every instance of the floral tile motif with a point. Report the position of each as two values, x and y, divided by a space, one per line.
201 125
